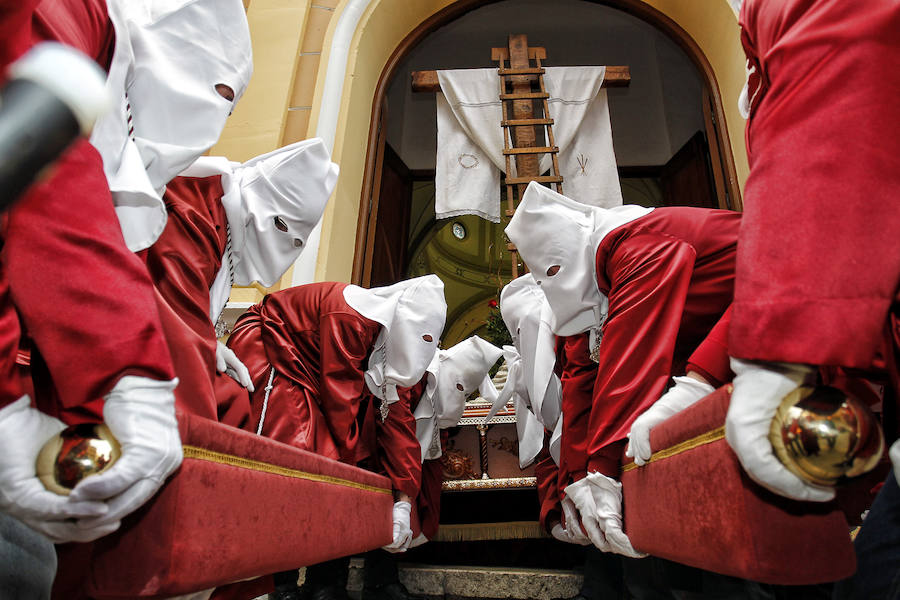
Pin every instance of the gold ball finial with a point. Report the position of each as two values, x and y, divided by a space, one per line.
823 435
76 452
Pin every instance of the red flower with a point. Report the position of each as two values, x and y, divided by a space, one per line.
492 304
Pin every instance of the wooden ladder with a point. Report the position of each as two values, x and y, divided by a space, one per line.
518 81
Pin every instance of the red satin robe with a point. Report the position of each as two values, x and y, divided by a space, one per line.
183 263
82 24
548 480
378 448
669 278
710 359
11 384
578 374
818 269
428 500
84 300
318 347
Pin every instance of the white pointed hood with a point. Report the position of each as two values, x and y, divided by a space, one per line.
529 429
452 376
551 230
530 434
412 313
272 202
527 317
556 440
168 58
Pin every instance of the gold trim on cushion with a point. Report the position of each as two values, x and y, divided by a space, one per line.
240 462
695 442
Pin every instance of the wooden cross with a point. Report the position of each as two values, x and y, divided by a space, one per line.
520 136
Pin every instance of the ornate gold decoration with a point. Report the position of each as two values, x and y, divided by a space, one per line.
822 435
489 484
504 444
456 464
76 452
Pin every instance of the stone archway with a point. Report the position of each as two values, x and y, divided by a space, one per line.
367 40
720 145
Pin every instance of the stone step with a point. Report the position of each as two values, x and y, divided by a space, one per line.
458 582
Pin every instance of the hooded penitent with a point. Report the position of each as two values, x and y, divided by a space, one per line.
453 375
412 314
558 240
169 57
272 203
531 383
526 315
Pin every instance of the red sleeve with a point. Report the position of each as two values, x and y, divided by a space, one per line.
11 388
343 344
547 474
428 502
15 29
710 359
578 373
85 300
185 260
82 24
398 448
649 274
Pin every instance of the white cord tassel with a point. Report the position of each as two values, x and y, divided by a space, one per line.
262 417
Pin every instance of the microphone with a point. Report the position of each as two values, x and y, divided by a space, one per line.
54 94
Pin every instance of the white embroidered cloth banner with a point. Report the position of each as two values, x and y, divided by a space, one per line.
470 140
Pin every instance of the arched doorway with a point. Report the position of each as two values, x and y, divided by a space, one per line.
667 137
398 237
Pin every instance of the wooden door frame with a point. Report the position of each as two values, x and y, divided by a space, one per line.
372 175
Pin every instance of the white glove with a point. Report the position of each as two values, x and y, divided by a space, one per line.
227 362
684 393
402 529
140 413
759 389
894 453
580 494
573 530
571 533
598 499
23 432
559 533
